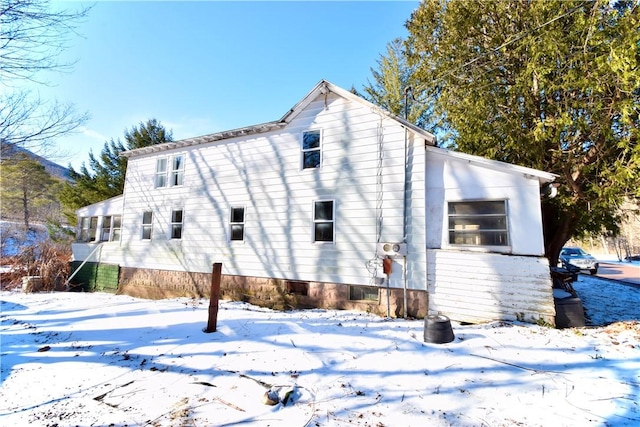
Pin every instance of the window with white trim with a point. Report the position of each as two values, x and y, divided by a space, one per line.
116 225
311 149
177 170
478 223
236 224
84 229
323 221
161 173
176 223
169 171
93 228
147 225
106 229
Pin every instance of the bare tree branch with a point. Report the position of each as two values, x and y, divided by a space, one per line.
33 37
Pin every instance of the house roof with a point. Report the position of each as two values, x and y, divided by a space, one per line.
541 176
323 87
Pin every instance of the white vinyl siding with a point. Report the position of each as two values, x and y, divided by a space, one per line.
479 287
262 173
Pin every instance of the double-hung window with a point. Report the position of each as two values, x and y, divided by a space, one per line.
106 229
177 170
147 225
169 171
84 229
161 173
116 225
111 228
176 223
93 228
311 149
478 223
236 223
323 221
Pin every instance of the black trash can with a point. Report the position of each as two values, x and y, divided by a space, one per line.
437 329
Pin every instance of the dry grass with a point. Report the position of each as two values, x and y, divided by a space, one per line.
48 260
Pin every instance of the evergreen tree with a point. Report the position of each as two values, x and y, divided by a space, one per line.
395 89
104 178
25 186
553 85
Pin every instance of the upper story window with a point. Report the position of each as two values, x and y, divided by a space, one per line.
236 223
161 173
177 170
176 223
169 171
311 149
478 223
323 221
147 225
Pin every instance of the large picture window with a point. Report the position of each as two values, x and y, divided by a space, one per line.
311 149
323 221
478 223
236 223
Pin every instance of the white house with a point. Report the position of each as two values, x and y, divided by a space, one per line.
338 204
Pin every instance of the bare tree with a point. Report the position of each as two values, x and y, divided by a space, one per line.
33 36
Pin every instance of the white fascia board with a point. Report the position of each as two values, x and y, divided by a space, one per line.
111 201
322 87
541 176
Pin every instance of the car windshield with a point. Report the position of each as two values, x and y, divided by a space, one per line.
573 252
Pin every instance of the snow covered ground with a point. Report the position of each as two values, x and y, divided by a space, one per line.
73 359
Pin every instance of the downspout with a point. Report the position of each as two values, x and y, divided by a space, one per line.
404 197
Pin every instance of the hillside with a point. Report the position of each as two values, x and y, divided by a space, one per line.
56 170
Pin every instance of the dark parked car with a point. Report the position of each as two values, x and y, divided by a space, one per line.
575 258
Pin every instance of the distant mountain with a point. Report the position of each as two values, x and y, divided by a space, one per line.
8 151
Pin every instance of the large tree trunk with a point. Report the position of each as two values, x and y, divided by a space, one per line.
25 206
558 227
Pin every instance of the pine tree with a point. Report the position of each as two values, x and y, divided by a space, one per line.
552 85
25 186
104 177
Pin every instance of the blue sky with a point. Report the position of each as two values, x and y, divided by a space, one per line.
203 67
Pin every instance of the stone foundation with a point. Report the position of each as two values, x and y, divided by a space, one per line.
279 294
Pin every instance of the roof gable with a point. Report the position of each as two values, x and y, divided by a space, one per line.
321 88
